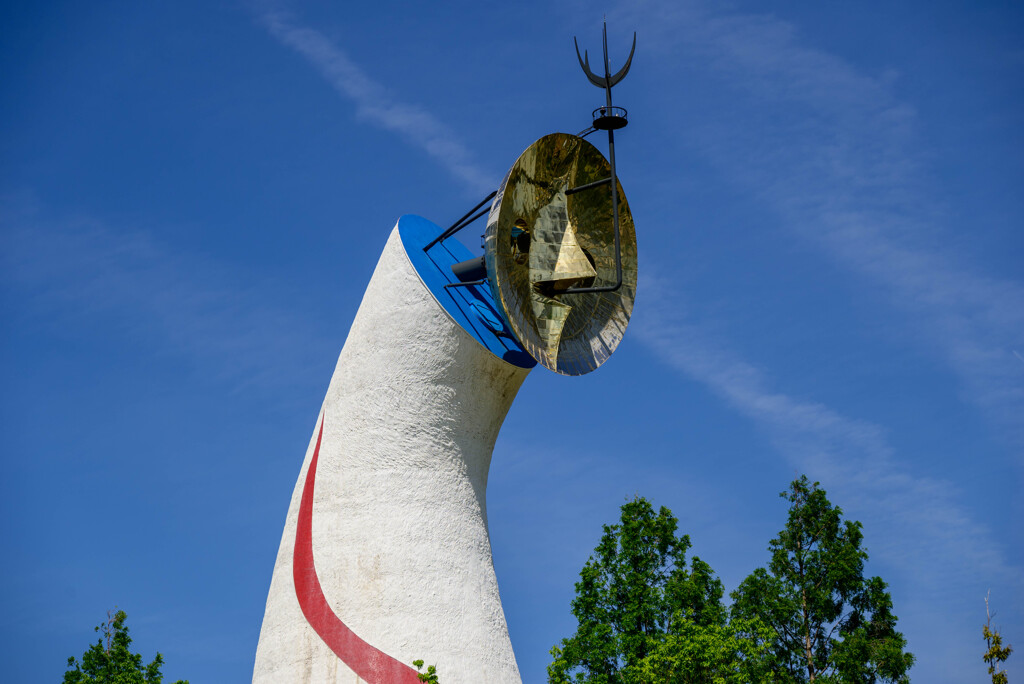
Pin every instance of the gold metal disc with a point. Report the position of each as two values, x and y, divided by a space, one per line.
540 242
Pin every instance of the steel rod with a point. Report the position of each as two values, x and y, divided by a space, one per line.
472 282
462 222
588 186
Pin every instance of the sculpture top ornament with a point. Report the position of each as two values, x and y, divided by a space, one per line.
560 255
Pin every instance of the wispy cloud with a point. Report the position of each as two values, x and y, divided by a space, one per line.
82 272
834 152
921 526
376 105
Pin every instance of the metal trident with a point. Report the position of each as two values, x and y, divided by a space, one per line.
607 81
606 118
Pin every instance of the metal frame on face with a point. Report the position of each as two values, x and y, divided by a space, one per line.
606 118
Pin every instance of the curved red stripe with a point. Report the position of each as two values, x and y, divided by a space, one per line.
371 664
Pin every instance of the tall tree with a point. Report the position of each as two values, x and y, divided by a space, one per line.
644 615
830 622
995 652
110 660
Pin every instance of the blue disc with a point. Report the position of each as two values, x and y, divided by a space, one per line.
471 306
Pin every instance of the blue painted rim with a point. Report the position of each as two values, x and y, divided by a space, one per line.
472 306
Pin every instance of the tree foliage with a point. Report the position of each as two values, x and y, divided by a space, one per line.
430 676
830 623
110 660
995 652
644 615
726 653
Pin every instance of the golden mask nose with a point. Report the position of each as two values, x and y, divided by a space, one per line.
557 262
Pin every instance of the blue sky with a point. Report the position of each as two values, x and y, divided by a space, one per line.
193 196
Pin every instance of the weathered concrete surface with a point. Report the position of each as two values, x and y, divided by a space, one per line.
399 523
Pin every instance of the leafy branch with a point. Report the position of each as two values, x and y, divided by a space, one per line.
430 676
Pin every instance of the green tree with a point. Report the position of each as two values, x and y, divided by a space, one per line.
995 652
830 623
110 661
644 615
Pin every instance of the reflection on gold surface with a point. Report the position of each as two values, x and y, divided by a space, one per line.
540 242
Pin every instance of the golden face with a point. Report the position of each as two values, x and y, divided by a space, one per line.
540 242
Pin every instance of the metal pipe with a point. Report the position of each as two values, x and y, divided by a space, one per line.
470 269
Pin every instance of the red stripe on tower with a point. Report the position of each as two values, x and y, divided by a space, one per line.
371 664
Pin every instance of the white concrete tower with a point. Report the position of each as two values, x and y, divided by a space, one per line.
385 556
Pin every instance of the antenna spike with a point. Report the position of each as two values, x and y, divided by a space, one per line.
621 74
604 42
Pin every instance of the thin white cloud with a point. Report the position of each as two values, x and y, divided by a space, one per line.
376 105
833 151
81 273
916 525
